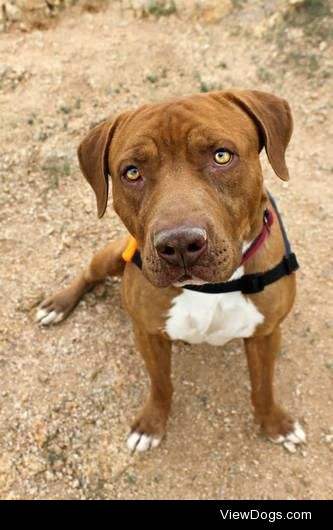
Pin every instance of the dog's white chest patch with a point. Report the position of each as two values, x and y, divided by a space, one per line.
214 318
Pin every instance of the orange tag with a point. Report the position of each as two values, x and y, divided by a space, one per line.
129 251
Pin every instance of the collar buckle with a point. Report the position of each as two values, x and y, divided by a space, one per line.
268 219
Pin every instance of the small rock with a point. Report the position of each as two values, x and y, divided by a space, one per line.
30 5
296 3
34 464
100 291
259 30
11 12
75 484
43 378
49 475
274 20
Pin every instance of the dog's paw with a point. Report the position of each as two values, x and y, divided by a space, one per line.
47 316
148 429
292 439
142 442
56 308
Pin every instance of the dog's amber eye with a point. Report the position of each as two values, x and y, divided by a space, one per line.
132 173
222 157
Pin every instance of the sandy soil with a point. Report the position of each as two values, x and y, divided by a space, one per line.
68 393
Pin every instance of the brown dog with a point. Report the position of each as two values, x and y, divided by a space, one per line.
187 183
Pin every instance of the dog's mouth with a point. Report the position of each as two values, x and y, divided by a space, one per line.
199 274
188 279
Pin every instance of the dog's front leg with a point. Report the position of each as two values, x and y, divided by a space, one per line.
273 420
149 427
107 262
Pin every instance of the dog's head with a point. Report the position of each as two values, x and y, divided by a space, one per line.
186 178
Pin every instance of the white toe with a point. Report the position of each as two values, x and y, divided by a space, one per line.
59 317
41 313
144 443
133 440
278 440
290 447
293 438
141 442
45 317
299 433
155 442
49 318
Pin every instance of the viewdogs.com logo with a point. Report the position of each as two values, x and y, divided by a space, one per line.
269 516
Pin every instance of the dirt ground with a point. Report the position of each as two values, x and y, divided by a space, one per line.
68 393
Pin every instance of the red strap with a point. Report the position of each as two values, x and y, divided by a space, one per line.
259 241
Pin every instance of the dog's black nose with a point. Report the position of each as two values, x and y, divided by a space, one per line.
182 245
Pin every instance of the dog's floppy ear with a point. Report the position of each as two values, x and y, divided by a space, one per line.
93 157
273 118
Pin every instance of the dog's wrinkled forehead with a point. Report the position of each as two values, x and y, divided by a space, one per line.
247 119
185 124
